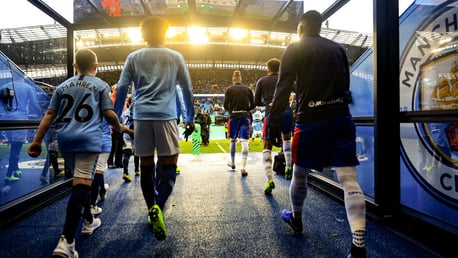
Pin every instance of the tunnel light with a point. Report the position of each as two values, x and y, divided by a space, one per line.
133 35
238 34
197 35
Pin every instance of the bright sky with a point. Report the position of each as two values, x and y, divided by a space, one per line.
20 13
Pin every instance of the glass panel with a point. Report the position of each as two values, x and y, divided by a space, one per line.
362 87
173 6
428 64
365 153
293 12
429 163
215 7
263 10
21 100
22 174
32 51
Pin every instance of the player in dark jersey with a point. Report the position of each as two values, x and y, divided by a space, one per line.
263 95
324 134
239 101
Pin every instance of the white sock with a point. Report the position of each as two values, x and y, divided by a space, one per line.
355 204
267 161
298 190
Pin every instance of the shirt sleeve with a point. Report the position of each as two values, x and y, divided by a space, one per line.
286 79
122 88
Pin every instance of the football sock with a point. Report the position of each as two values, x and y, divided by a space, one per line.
54 162
298 190
355 204
147 184
233 149
102 185
287 152
79 198
125 163
267 161
95 187
137 163
244 143
165 184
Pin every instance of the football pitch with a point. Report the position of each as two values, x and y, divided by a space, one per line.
219 143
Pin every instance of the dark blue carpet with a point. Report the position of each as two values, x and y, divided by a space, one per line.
213 212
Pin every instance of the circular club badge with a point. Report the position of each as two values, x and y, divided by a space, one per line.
429 81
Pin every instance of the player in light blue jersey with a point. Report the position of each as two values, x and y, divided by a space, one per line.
77 108
155 71
98 183
128 148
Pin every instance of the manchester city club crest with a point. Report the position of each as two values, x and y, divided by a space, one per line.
429 81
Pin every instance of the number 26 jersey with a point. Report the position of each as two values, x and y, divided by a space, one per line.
79 103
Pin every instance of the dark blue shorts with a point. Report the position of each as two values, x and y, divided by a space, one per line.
286 123
239 128
325 143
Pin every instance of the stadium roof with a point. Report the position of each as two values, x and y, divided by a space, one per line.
270 15
55 31
271 25
99 17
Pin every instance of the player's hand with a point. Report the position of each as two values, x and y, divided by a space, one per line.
34 149
275 135
189 129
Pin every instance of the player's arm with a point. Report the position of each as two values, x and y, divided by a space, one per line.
35 148
128 130
258 95
113 120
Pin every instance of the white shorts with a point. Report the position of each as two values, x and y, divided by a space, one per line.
81 164
128 144
159 136
102 161
53 146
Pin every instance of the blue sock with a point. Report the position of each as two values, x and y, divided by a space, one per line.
79 199
147 184
165 183
97 183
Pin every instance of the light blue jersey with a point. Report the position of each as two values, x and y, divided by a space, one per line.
79 103
181 108
106 136
155 72
128 122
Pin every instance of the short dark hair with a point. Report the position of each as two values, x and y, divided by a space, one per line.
85 59
273 65
313 19
154 29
